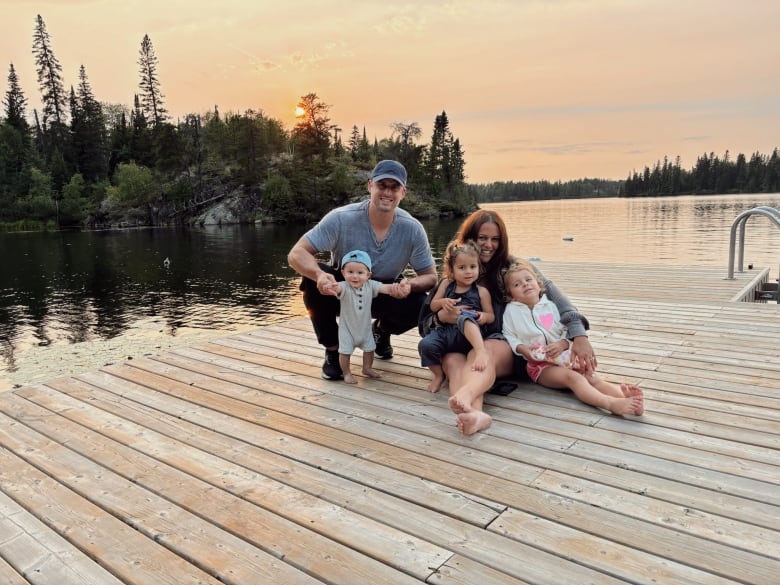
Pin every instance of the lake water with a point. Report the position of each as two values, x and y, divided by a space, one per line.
70 301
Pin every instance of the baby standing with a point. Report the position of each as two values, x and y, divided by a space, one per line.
355 293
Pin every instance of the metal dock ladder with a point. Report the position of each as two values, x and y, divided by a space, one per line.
768 291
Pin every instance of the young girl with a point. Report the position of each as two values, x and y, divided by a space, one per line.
534 331
458 289
355 294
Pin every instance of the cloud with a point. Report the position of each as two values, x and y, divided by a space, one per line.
258 64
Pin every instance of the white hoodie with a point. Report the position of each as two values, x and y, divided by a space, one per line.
526 326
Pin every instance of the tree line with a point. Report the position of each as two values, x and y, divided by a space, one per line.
710 174
82 162
538 190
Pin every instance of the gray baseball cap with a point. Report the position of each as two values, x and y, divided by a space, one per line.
389 169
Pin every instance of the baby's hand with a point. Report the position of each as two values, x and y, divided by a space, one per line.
404 288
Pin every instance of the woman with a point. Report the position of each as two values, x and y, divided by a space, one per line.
468 384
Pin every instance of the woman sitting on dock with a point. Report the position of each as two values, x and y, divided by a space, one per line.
466 383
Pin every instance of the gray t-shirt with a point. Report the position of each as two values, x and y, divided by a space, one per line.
347 228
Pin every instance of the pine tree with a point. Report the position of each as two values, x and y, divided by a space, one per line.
151 95
354 142
89 131
15 102
14 147
140 135
49 75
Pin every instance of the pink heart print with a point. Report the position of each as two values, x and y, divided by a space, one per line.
546 319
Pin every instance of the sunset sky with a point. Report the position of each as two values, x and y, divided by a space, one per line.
546 89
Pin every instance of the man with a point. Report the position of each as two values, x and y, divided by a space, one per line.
393 240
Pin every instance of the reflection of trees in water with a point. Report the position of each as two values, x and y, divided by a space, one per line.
7 344
73 287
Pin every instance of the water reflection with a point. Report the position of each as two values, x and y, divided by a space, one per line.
72 287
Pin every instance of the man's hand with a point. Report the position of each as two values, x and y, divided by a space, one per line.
401 289
327 285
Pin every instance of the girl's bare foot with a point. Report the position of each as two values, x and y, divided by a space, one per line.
472 422
628 405
435 384
630 390
349 378
481 358
372 373
459 404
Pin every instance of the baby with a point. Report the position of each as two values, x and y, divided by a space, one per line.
355 293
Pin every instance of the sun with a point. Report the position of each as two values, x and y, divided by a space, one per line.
299 112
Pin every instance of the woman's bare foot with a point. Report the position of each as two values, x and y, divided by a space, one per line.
349 378
472 422
436 383
481 358
459 404
372 373
628 405
634 390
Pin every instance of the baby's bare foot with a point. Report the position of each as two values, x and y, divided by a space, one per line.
349 378
372 373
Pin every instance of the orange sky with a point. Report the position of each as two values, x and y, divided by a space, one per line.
534 89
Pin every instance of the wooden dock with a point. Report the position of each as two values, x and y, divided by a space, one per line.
233 462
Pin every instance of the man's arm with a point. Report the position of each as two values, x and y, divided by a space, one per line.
301 258
424 281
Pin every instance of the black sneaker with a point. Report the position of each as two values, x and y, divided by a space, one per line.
331 370
384 351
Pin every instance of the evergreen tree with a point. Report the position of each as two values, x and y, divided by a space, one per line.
15 103
354 143
14 146
88 131
364 150
49 75
140 136
151 95
457 163
444 164
118 135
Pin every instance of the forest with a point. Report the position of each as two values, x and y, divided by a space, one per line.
80 162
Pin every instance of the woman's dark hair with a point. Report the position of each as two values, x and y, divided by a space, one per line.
469 230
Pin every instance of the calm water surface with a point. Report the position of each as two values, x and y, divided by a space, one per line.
71 287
